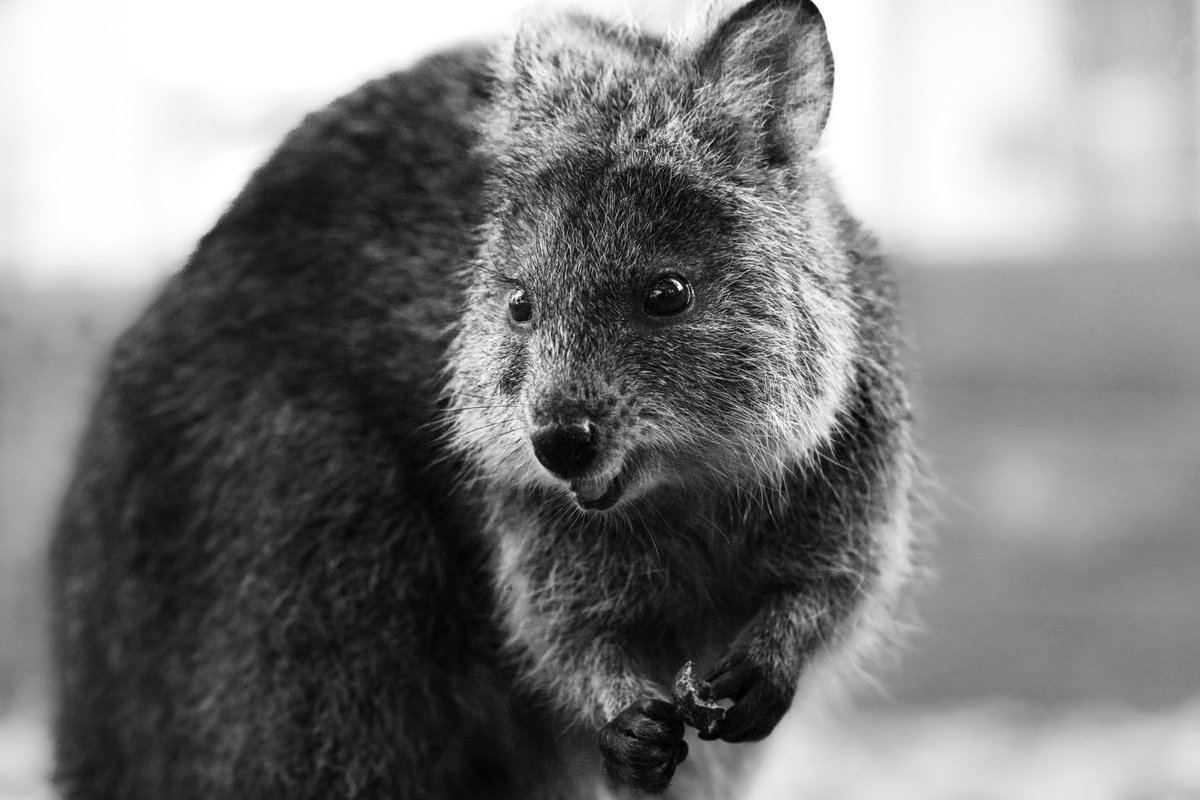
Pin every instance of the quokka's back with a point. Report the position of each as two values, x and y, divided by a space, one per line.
510 384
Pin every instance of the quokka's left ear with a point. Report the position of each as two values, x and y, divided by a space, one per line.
771 67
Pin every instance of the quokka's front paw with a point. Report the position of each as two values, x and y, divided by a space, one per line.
643 744
760 696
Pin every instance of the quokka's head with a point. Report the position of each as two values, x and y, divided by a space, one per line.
659 298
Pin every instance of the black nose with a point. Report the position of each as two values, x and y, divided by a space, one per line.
566 449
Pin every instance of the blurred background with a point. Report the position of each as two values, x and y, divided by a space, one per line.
1033 168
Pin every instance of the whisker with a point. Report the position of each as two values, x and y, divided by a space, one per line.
460 409
487 425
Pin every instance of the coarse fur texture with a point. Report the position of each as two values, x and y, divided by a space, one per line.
509 384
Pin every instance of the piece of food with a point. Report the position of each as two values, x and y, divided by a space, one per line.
694 702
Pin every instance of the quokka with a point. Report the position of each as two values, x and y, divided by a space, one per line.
510 384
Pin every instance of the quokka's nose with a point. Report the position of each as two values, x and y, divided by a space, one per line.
566 449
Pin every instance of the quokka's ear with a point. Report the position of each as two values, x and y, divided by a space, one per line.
522 65
771 66
562 52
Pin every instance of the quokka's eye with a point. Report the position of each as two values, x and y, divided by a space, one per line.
519 306
671 294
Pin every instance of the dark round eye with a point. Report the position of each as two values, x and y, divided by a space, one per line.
670 295
519 306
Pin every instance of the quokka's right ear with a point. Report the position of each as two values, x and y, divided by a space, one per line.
523 73
771 68
555 56
520 67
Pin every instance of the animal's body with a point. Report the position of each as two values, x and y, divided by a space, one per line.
510 383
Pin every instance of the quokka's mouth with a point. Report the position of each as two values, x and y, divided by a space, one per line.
598 494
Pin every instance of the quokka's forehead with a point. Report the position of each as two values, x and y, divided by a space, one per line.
599 198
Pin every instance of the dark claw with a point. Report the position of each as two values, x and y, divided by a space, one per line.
643 745
760 700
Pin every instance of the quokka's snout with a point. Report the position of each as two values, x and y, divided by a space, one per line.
584 445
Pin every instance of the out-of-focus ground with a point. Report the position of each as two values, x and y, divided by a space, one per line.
996 751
